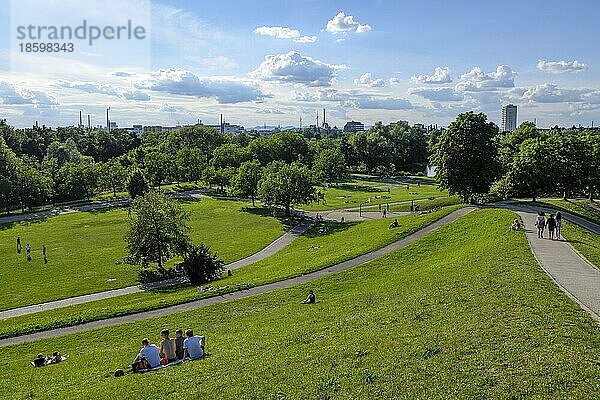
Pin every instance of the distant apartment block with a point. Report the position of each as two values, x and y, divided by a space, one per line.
509 117
354 126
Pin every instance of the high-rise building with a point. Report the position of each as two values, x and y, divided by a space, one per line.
354 126
509 117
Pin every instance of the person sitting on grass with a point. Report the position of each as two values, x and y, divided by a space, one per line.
310 299
54 358
167 346
148 357
179 344
394 224
193 345
39 361
516 225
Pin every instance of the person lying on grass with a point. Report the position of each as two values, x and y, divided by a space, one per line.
394 224
41 361
193 345
149 357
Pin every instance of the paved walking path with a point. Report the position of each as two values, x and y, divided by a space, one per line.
573 274
275 246
365 258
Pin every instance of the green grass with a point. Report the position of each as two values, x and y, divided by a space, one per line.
583 208
84 248
464 313
584 241
308 253
354 192
425 205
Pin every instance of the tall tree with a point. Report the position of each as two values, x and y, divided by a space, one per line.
136 183
286 184
466 156
247 178
329 165
157 229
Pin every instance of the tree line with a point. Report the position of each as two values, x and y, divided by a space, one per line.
41 165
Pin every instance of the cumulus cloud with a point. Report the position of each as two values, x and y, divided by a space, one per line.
121 74
551 93
293 67
477 80
269 111
355 100
440 75
560 67
12 95
343 23
381 103
281 32
437 94
186 83
120 92
366 79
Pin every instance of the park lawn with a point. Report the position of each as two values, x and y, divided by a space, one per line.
309 252
465 312
85 249
581 207
424 204
583 240
352 193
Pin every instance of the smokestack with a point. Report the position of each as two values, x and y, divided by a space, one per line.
323 117
36 124
80 119
222 121
89 121
107 120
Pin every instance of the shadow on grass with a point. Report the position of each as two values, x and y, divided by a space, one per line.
288 222
327 228
357 188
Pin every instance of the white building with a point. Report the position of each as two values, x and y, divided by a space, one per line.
509 117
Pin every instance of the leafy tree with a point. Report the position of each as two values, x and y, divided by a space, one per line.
33 187
283 146
8 175
113 176
201 265
79 178
230 155
194 137
190 164
530 170
158 167
466 156
286 184
220 177
329 165
65 152
136 184
157 229
247 178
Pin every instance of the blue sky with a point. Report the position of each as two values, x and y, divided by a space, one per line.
274 61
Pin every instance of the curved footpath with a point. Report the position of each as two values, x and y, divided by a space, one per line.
365 258
275 246
571 272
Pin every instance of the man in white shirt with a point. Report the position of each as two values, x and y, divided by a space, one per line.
150 353
193 345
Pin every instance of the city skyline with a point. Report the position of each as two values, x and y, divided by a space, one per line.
274 62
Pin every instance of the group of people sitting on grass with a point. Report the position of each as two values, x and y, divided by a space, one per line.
41 360
553 223
171 349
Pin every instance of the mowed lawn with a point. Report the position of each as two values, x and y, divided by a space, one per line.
464 313
85 249
581 207
323 245
584 241
352 193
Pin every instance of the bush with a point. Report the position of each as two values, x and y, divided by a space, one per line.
200 265
149 275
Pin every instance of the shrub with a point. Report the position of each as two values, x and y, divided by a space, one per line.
200 265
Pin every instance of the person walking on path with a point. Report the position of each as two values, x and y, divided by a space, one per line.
558 219
19 247
44 253
28 249
551 222
384 213
540 222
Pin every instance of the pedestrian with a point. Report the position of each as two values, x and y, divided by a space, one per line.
558 219
342 220
19 247
380 207
388 190
540 222
387 207
384 213
28 249
44 253
551 223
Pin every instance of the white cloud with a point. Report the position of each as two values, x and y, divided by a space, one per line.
440 75
121 74
560 67
186 83
281 32
551 93
437 94
120 92
381 103
293 67
477 80
355 100
366 79
343 23
269 111
12 95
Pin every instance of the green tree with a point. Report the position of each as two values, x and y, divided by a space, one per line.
136 184
466 156
286 184
247 178
157 229
158 167
9 165
201 265
329 165
230 155
113 176
190 164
